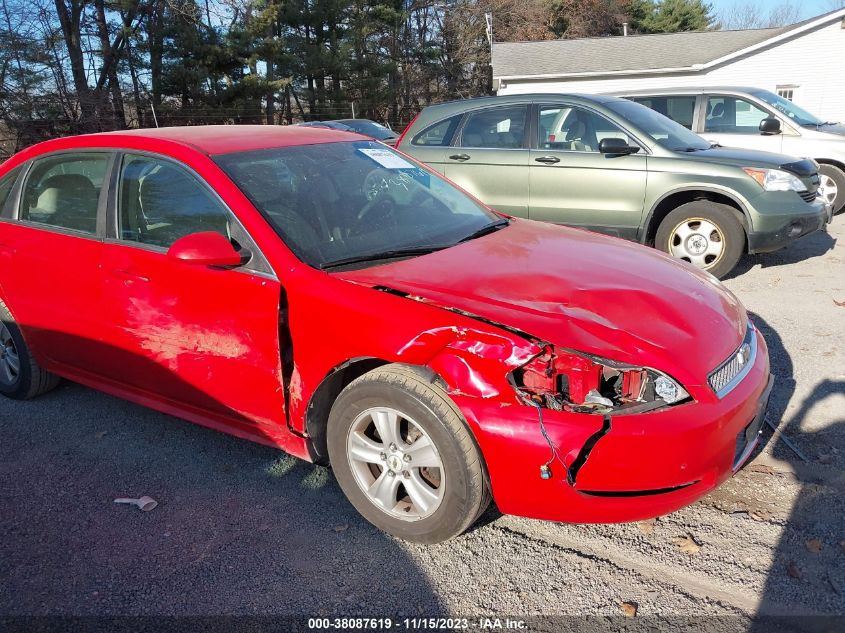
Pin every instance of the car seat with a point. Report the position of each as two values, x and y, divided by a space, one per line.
68 201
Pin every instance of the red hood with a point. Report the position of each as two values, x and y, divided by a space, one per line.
583 291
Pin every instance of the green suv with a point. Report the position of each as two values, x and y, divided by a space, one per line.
614 166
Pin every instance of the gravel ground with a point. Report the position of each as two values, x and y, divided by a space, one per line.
241 529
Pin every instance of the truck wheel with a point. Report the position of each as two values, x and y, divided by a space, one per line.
21 378
404 457
832 187
704 233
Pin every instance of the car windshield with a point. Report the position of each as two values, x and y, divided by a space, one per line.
662 130
785 106
370 128
341 202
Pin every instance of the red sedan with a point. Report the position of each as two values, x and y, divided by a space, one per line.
322 293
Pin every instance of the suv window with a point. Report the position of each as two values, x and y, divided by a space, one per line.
496 128
439 134
733 115
159 202
570 128
64 191
7 183
680 108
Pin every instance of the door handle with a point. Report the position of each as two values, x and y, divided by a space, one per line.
460 157
548 160
130 275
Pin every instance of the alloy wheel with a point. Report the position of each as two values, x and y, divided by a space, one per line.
396 464
828 189
697 241
10 362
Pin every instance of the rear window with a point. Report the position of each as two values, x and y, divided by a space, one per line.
7 183
438 135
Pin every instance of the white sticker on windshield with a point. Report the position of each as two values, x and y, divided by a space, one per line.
387 159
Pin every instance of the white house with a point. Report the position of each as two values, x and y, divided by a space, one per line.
804 62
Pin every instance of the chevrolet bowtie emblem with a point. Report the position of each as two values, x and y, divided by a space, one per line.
743 354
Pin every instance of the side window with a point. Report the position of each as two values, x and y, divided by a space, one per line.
159 202
733 116
574 129
63 191
680 108
7 183
440 134
497 128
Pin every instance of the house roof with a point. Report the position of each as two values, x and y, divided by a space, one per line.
664 52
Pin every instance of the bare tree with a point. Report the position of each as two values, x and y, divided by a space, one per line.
751 15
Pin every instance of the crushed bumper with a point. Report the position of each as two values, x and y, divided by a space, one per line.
644 465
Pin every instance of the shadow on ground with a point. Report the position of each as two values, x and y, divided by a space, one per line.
240 528
808 567
807 247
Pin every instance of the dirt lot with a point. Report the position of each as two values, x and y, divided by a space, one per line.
241 529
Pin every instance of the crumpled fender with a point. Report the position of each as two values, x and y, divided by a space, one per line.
472 362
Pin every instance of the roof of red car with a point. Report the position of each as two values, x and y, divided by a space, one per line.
222 139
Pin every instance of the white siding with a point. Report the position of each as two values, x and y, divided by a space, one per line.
814 62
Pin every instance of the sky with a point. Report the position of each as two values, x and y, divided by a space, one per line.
808 8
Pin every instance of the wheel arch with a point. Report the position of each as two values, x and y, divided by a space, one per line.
832 162
675 198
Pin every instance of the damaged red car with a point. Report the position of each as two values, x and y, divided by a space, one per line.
319 292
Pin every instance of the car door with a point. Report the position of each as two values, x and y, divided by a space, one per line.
50 251
571 182
735 122
489 158
196 335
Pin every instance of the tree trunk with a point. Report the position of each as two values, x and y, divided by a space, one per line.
70 17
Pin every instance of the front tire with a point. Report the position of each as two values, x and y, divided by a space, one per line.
832 187
706 234
404 457
21 378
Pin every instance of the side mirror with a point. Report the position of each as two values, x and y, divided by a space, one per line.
205 249
616 146
770 125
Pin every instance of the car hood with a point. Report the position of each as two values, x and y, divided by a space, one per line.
837 128
579 290
754 158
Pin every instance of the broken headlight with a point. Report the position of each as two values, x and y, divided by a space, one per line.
564 380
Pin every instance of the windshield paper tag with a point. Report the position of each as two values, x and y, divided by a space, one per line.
387 159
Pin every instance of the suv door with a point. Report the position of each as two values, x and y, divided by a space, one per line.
51 253
571 182
201 336
489 158
735 122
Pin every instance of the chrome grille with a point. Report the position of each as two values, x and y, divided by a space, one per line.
731 372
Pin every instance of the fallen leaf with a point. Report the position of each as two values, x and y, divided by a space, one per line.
646 527
100 434
341 528
687 544
841 304
814 545
629 609
792 570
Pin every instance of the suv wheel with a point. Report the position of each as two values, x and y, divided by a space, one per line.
704 233
21 377
404 457
832 186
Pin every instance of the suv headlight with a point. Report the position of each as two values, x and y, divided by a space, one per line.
566 380
775 179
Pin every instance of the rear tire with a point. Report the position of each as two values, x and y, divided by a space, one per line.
21 378
704 233
833 180
396 419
